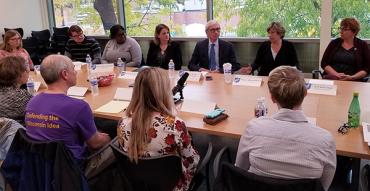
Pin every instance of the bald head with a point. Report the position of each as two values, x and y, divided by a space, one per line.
52 66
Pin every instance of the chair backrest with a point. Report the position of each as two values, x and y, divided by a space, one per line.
43 37
20 30
156 174
232 178
59 39
34 165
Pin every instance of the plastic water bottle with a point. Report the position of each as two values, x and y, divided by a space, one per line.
261 108
94 86
89 65
227 72
121 65
171 69
31 86
354 112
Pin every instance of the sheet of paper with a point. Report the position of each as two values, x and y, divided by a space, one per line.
194 76
198 107
103 70
76 97
322 89
128 75
37 86
366 131
246 80
322 82
76 91
113 107
79 63
123 94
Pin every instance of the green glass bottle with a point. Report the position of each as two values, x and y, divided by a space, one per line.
354 112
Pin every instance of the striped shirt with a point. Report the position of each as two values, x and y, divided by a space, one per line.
78 51
13 102
287 146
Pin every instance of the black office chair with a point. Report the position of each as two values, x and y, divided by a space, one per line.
31 45
232 178
43 43
59 39
19 30
41 166
150 174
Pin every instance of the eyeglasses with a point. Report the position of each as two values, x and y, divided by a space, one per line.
215 30
343 128
17 38
344 29
80 35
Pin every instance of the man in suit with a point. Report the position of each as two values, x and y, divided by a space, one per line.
210 54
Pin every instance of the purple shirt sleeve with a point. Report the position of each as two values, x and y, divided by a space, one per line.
85 123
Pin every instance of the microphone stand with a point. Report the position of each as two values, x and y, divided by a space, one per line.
181 94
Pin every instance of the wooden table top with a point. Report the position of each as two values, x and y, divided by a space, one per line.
239 103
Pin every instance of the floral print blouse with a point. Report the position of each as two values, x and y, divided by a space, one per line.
168 136
20 52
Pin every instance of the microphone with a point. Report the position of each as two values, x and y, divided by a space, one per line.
180 83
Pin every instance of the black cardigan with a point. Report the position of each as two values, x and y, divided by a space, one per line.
173 52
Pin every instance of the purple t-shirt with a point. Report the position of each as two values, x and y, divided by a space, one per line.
57 117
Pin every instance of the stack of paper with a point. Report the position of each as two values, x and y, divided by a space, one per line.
113 107
123 94
366 132
78 65
102 70
325 87
246 80
77 91
198 107
128 75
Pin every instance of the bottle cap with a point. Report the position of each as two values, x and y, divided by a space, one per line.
355 94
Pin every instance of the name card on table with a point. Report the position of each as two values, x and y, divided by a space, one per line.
113 107
198 107
77 91
128 75
323 89
123 94
194 76
245 80
366 132
322 82
37 86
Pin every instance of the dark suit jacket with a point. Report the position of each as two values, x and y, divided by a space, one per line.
173 52
264 61
200 58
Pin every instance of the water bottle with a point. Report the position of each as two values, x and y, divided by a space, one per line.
354 112
171 69
31 86
227 72
261 108
121 66
94 86
89 65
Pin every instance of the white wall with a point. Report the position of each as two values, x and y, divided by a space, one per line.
28 14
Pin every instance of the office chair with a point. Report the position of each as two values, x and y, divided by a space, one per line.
19 30
149 174
43 43
59 39
232 178
41 166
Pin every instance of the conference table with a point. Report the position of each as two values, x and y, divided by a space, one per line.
239 101
327 111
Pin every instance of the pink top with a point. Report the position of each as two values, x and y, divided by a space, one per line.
20 52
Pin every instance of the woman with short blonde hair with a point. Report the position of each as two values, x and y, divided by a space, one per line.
12 46
150 127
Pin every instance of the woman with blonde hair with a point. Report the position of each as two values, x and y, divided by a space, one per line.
163 49
12 46
150 127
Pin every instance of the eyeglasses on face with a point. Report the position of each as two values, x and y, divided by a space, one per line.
15 38
79 35
215 29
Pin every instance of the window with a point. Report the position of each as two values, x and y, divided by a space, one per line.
359 9
183 17
95 17
250 18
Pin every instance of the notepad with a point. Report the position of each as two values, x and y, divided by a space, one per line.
245 80
366 132
194 76
113 107
198 107
128 75
76 91
123 94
